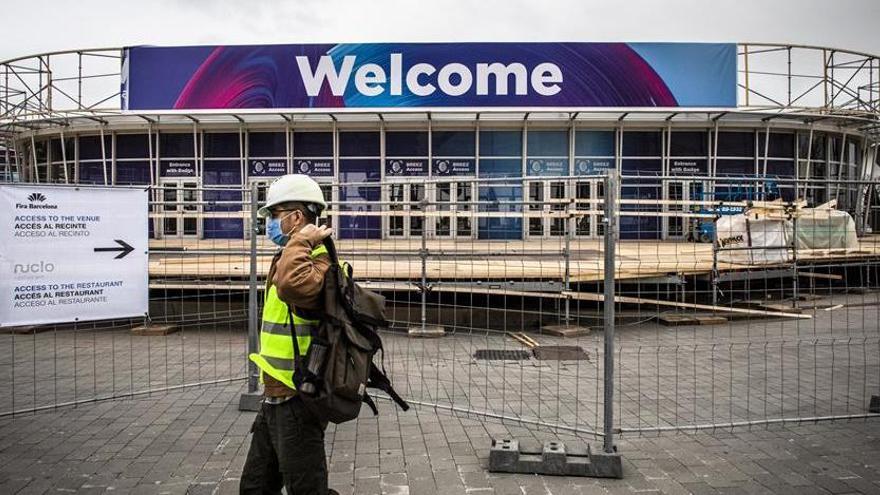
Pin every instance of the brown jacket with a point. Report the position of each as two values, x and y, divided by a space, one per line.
298 278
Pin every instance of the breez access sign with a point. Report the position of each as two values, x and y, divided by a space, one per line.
72 254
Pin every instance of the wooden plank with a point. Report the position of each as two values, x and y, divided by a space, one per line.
532 342
825 276
780 307
520 340
397 260
586 296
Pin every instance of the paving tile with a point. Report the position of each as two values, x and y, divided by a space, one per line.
195 440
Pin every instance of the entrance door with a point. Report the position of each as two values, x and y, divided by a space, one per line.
404 198
588 203
677 223
453 202
547 198
180 208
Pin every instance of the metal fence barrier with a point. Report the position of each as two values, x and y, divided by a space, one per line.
588 305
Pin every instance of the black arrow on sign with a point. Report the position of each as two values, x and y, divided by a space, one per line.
124 248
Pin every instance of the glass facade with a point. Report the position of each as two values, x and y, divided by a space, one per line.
132 159
547 156
95 160
360 163
500 158
515 167
221 185
266 154
406 155
642 155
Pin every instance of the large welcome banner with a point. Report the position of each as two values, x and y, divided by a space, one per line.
430 75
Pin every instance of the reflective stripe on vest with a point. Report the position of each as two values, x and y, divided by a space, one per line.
276 344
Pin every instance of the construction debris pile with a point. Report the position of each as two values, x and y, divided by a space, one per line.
772 232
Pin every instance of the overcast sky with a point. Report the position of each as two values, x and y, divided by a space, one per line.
35 26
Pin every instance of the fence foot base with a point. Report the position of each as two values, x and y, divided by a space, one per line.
875 404
26 329
566 330
553 458
250 401
153 329
427 331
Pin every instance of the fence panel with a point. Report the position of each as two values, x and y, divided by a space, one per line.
510 274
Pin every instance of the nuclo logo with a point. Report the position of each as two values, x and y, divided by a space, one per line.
41 267
37 202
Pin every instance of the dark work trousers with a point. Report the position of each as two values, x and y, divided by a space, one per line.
287 449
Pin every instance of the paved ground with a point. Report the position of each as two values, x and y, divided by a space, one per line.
195 441
741 371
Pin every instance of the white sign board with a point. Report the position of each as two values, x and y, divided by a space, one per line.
72 254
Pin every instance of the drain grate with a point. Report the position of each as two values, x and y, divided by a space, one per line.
560 353
501 354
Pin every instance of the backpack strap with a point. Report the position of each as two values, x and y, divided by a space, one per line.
298 365
379 381
331 250
366 399
347 270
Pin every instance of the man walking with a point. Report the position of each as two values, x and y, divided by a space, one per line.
287 448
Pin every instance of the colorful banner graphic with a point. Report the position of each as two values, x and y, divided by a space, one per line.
430 75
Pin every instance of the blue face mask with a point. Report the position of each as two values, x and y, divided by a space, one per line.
273 232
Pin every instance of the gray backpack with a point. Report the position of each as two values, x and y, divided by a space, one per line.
338 368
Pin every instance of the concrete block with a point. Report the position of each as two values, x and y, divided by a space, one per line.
565 330
428 331
553 458
154 329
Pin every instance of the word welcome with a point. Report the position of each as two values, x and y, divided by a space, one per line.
423 79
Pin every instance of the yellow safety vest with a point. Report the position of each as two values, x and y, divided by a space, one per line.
276 344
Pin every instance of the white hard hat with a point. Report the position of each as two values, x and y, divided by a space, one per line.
293 187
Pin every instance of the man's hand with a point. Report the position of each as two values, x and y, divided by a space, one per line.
314 234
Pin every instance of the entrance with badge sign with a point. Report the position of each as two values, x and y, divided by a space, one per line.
677 224
179 208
